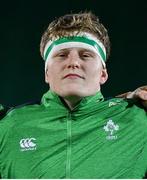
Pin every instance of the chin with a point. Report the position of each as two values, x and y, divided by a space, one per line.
76 93
72 93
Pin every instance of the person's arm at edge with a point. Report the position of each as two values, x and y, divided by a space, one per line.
139 94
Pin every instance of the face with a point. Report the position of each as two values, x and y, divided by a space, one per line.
75 72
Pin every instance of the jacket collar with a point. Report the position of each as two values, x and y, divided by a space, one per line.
50 98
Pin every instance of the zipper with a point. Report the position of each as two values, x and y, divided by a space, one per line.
68 158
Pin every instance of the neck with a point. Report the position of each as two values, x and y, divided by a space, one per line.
71 102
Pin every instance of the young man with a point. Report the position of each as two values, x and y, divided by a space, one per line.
74 132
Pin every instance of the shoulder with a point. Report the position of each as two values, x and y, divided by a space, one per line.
11 114
15 117
128 108
126 103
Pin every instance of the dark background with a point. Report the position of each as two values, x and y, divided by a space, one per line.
23 22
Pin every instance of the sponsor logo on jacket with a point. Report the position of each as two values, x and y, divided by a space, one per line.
27 144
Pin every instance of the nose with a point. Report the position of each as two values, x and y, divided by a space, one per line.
73 59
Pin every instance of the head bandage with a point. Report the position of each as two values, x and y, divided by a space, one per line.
82 40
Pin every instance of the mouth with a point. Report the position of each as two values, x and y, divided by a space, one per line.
73 76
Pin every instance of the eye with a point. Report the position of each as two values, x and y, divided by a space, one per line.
63 54
60 55
86 55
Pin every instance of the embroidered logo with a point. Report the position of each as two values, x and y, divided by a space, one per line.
112 104
27 144
111 128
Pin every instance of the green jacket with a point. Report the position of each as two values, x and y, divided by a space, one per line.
97 139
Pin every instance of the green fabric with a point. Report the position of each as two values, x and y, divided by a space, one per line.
59 143
76 39
1 107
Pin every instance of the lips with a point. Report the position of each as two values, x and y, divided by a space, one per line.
71 75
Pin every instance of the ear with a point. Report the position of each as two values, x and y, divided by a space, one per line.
46 76
104 76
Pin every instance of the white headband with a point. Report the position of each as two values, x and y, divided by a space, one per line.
84 40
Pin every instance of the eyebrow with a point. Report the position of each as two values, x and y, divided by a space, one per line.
80 49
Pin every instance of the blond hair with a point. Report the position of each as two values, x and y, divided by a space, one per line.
68 24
